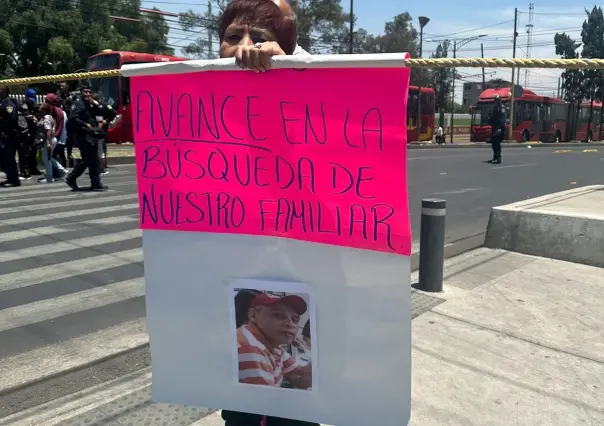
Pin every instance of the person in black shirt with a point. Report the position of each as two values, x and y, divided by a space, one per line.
87 137
497 122
9 138
32 121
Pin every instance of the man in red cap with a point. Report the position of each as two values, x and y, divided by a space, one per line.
272 322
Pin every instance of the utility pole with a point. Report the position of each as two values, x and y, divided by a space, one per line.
529 43
558 87
484 83
210 49
351 35
451 114
511 127
423 21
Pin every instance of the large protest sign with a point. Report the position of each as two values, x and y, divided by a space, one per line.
277 238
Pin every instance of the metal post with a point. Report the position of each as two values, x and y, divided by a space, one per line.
432 245
419 88
351 35
484 83
512 94
452 114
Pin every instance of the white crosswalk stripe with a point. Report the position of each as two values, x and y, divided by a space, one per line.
71 299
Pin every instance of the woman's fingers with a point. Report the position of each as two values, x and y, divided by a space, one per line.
257 58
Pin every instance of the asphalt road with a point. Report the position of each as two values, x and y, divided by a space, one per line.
471 186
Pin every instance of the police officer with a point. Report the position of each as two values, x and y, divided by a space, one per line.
108 115
71 130
32 121
9 138
497 122
87 137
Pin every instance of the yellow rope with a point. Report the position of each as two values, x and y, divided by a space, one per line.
59 77
505 63
413 62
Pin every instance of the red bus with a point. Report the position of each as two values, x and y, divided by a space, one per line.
427 114
590 130
115 91
536 118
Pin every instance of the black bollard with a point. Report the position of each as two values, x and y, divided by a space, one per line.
432 245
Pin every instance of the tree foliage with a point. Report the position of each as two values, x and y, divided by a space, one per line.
57 36
442 81
581 85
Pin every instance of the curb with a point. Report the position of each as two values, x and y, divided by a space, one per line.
113 161
484 145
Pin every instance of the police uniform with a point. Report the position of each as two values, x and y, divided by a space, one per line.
69 109
108 115
497 121
9 141
87 137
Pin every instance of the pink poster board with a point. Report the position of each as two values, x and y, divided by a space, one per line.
317 155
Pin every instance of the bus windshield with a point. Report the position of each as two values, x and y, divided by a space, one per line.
106 88
481 114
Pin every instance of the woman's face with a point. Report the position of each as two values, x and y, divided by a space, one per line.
239 34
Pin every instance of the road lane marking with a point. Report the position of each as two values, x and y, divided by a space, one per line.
514 166
457 191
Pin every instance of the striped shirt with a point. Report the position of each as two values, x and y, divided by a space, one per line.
259 365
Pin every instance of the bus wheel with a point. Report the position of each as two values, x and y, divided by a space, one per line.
526 136
589 137
558 137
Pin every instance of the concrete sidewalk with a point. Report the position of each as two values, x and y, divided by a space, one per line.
513 340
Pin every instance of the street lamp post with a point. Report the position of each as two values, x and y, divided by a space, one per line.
423 21
458 44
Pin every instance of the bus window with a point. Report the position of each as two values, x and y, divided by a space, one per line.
126 90
427 103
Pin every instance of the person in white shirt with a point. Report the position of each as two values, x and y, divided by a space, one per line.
439 135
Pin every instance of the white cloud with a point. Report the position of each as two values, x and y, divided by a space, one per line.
498 42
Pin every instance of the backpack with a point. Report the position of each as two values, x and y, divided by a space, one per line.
40 138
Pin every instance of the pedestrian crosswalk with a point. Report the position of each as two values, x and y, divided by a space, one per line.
71 298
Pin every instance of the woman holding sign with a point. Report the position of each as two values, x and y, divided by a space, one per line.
252 31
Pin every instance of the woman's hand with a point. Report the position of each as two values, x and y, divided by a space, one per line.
257 57
49 147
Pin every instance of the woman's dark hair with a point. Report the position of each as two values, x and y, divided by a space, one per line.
263 14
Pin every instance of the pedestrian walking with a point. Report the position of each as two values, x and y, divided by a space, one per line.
87 138
32 120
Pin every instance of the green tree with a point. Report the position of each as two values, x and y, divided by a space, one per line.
203 28
442 81
320 23
592 35
571 85
57 36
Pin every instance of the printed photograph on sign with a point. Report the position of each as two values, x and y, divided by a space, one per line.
273 332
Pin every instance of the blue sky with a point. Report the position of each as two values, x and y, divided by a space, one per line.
463 20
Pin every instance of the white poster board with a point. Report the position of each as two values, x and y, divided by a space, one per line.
331 250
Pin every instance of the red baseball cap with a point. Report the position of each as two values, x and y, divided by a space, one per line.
266 299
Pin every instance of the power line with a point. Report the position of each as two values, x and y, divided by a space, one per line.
467 31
